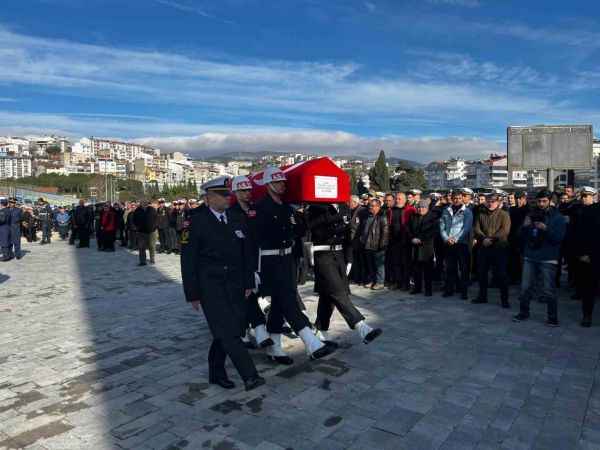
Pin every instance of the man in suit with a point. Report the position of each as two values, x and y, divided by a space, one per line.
218 277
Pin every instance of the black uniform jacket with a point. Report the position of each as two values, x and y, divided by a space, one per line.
331 227
277 227
216 271
250 217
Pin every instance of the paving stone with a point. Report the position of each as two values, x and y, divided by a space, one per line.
85 364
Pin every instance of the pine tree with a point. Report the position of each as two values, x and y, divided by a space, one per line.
379 174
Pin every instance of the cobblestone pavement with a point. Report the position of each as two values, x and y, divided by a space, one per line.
97 353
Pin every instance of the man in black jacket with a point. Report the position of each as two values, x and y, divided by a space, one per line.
144 219
375 238
422 229
217 276
82 221
162 223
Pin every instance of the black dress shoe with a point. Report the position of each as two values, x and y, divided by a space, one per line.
479 300
464 296
254 382
372 335
428 294
225 383
505 304
520 317
250 345
268 342
447 294
322 352
586 322
283 360
415 292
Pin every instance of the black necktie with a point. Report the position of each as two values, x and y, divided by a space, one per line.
222 219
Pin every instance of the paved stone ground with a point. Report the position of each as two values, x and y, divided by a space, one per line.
97 353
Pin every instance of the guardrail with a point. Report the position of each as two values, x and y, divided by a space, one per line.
28 195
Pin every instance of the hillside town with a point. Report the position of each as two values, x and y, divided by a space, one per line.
22 157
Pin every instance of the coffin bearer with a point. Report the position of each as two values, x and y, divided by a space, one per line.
217 277
332 250
242 189
277 229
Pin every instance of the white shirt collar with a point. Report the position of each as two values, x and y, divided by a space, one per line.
218 215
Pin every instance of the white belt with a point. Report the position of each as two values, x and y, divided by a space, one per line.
275 252
327 248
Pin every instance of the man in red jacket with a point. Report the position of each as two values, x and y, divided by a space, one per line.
108 228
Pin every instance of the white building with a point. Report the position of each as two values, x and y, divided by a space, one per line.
83 147
118 150
11 167
14 146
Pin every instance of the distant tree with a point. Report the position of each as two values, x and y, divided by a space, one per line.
52 150
354 180
410 178
379 174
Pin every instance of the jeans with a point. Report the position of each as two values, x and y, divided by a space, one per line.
540 277
375 266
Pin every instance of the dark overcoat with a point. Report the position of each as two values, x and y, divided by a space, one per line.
216 270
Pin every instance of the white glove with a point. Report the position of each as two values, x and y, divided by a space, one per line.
348 268
256 282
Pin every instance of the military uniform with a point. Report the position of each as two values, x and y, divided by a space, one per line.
277 230
4 230
45 218
331 237
16 217
216 271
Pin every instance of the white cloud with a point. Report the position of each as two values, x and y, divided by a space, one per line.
202 139
371 7
309 91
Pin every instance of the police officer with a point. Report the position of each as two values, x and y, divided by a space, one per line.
586 251
45 216
242 189
277 229
332 253
4 230
16 217
217 277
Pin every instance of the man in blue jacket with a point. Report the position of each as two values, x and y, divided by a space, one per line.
16 217
455 230
542 233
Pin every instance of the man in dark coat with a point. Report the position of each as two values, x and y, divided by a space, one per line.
375 238
16 217
330 230
358 218
162 223
422 229
517 213
144 218
491 230
242 189
82 221
277 230
46 218
586 250
218 277
4 230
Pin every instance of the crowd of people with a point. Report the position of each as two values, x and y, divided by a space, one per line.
235 249
146 226
406 241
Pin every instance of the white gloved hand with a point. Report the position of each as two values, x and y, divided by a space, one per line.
348 268
256 282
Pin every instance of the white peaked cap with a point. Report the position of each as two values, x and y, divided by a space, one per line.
273 174
241 183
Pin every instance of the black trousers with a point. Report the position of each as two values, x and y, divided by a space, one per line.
587 282
255 315
237 352
84 236
107 240
457 268
341 301
496 259
165 240
423 274
283 290
515 263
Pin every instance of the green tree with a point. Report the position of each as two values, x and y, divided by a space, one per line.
53 150
379 174
354 178
409 178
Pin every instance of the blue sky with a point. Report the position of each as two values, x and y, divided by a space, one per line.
423 79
